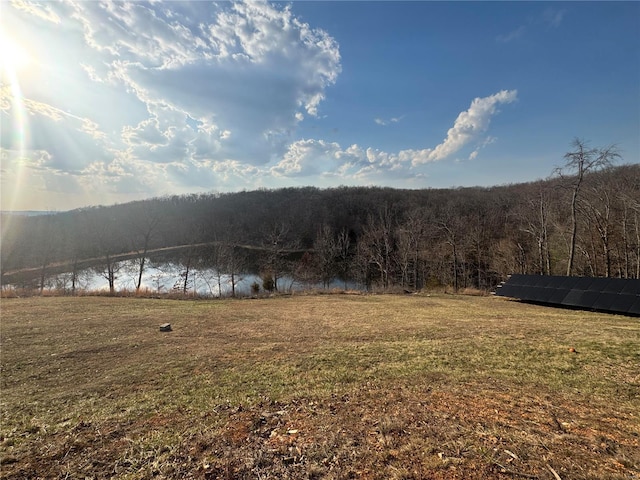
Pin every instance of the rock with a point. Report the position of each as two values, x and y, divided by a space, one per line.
165 327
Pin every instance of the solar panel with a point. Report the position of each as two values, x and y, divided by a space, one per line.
558 296
524 293
544 294
583 283
573 298
506 290
599 284
516 279
589 298
623 303
537 294
568 282
555 281
615 285
605 294
538 281
605 301
631 287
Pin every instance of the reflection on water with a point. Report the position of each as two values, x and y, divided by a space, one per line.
170 278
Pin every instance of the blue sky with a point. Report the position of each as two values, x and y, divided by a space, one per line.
107 102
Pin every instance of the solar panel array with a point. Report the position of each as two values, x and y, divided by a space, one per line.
617 295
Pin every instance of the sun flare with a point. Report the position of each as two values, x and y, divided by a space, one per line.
13 57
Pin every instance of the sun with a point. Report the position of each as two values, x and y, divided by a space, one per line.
13 57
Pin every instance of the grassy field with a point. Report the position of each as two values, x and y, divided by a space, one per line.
324 387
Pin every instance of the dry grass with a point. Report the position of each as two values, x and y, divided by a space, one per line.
332 386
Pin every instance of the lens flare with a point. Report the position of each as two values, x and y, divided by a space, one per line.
13 59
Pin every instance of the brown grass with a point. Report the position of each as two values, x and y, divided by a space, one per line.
332 386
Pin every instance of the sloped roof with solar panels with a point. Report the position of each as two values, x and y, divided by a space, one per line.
616 295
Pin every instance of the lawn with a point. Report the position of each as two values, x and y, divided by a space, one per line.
324 387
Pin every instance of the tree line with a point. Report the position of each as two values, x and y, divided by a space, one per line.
583 220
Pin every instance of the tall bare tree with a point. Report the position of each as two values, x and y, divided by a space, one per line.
599 208
452 229
44 247
143 223
409 238
105 235
278 241
579 162
534 218
326 253
343 247
376 245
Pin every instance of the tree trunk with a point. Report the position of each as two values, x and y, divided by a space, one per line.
545 238
74 276
233 284
186 276
574 231
43 271
142 261
455 267
637 225
607 255
111 276
625 244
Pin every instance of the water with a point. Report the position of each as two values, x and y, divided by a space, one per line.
169 278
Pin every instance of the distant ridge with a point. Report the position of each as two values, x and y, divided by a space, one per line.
28 213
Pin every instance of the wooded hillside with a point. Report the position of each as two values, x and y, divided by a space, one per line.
377 237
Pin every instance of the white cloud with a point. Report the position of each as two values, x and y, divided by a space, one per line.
512 35
45 12
147 132
384 123
310 157
152 98
487 141
467 126
224 87
553 18
255 69
307 157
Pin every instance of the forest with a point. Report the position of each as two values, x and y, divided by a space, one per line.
583 220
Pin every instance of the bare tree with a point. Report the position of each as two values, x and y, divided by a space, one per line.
534 217
278 241
143 223
44 246
636 218
326 252
409 237
105 236
190 237
226 259
598 206
627 194
630 211
343 247
452 230
578 163
376 246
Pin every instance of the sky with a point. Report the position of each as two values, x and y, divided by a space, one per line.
106 102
